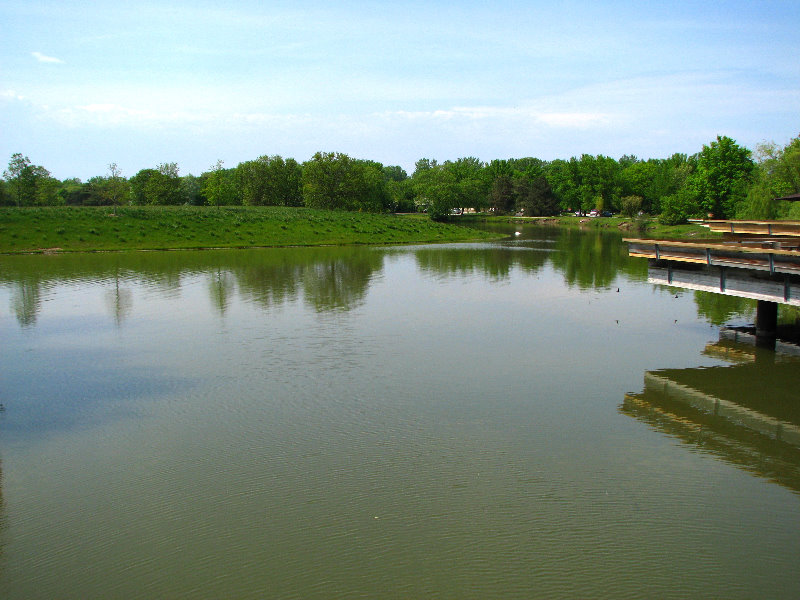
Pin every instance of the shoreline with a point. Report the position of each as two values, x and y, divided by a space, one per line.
59 230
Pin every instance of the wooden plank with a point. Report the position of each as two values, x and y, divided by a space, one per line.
712 246
766 228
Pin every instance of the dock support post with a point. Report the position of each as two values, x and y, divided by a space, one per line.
766 323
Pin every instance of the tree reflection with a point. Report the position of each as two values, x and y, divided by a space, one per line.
220 287
340 283
119 301
593 259
329 278
26 301
334 278
493 262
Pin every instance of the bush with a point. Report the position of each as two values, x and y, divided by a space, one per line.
631 205
678 208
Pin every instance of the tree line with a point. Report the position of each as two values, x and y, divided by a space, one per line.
724 179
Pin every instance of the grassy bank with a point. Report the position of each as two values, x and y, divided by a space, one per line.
159 228
630 227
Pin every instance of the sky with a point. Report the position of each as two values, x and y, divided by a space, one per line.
90 82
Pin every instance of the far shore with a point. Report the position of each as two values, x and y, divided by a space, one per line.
91 229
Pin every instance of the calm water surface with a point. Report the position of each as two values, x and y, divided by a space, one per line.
524 419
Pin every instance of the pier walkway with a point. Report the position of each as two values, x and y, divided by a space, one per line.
759 260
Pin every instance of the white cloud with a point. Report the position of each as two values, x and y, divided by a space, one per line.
43 58
528 115
12 95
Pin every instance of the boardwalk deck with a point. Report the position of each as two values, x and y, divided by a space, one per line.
759 260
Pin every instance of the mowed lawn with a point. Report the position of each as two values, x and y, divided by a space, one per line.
180 227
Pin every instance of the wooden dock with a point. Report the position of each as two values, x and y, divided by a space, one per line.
768 271
752 228
759 260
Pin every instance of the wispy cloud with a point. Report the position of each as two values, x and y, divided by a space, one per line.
43 58
528 115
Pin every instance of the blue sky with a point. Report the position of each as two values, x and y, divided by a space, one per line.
85 83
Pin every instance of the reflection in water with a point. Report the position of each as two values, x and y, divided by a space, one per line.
493 261
26 302
728 411
328 278
719 309
594 259
332 278
455 434
2 515
119 301
220 289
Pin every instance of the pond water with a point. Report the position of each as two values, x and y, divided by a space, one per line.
522 419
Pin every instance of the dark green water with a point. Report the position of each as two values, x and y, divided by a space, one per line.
474 421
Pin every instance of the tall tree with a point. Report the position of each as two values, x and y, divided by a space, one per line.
723 173
776 175
535 197
270 181
159 186
471 188
21 177
117 188
5 200
219 188
502 198
424 164
436 191
335 181
564 177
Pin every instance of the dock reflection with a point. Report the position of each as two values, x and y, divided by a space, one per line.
746 413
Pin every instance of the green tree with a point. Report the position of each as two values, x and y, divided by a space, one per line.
535 197
18 176
73 192
638 180
502 197
565 180
677 208
5 198
394 173
599 182
139 184
116 188
496 169
159 186
436 191
333 180
329 181
192 190
270 181
471 189
528 166
401 195
723 173
219 187
46 187
111 190
630 205
777 174
424 164
30 184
